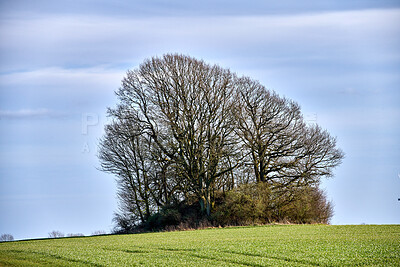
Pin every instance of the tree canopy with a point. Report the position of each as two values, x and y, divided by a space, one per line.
186 131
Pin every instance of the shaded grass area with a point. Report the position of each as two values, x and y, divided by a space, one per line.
276 245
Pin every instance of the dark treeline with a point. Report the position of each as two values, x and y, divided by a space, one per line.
192 143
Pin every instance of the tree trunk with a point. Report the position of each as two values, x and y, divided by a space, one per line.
208 202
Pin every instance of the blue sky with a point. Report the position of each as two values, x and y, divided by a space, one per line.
60 63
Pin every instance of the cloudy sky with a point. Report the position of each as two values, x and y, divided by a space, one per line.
61 61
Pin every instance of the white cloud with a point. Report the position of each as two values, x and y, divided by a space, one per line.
74 79
25 113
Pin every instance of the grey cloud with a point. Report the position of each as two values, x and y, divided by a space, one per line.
187 8
66 59
78 40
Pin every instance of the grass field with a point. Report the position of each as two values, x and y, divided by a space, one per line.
277 245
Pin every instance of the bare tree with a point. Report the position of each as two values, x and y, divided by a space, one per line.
181 106
282 149
56 234
6 238
127 155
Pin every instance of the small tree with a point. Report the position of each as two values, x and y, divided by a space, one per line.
56 234
6 237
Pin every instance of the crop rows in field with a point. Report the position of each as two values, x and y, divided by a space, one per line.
279 245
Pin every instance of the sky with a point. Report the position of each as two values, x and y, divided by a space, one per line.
61 61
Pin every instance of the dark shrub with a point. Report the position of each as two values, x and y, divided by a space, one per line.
248 204
125 223
305 205
258 204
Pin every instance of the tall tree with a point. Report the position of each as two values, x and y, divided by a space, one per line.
184 107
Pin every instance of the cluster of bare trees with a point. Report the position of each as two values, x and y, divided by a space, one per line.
56 234
59 234
184 129
6 238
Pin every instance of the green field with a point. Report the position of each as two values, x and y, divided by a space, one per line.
276 245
